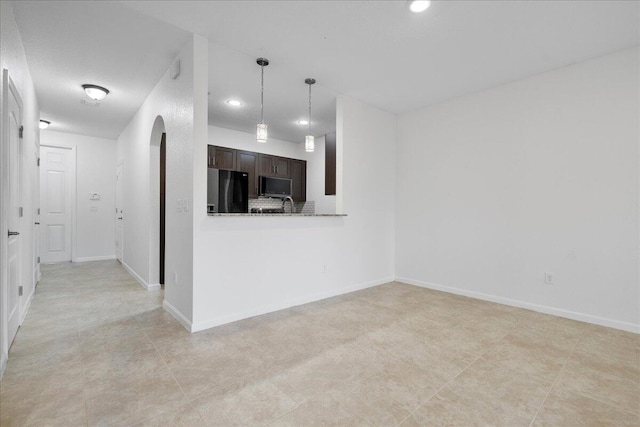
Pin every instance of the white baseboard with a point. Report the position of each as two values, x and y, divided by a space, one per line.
3 364
611 323
200 326
28 305
94 258
178 316
143 283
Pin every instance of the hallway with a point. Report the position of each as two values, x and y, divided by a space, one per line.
97 349
83 334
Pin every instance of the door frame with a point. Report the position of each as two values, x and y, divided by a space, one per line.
36 216
120 193
7 86
74 184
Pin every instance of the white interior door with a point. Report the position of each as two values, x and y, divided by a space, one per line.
36 226
56 203
119 213
13 215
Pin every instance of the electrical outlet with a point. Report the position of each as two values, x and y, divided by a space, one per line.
548 278
323 269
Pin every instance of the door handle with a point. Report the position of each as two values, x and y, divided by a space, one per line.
13 233
36 223
120 217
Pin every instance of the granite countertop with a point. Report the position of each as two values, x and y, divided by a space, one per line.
272 214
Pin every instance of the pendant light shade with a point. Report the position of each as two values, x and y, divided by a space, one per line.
309 143
309 140
262 133
261 129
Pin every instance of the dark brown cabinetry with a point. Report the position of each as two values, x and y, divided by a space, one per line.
299 180
274 166
221 158
247 161
330 164
257 165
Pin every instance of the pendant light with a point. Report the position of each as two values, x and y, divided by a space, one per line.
261 132
309 143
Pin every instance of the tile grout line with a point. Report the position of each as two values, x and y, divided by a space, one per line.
174 378
82 371
298 405
449 382
611 405
555 381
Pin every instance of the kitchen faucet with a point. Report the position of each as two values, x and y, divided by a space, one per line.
284 201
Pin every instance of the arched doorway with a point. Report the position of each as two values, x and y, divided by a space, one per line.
157 192
163 207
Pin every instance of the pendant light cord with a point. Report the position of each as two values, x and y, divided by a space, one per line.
309 109
262 94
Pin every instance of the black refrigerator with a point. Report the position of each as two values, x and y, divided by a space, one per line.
227 191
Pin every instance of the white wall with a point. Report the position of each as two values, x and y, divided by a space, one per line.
315 161
181 103
244 266
95 173
12 58
540 175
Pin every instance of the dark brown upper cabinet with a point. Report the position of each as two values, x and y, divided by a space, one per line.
257 165
274 166
222 158
248 162
299 180
330 164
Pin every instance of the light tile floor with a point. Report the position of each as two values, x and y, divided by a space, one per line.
96 349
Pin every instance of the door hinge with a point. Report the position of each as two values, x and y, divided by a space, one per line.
20 291
38 260
38 162
20 212
38 211
21 132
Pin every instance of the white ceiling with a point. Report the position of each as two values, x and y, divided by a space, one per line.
69 43
376 51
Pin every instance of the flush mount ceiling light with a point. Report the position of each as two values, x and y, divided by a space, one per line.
44 124
303 122
261 129
417 6
97 93
234 102
309 143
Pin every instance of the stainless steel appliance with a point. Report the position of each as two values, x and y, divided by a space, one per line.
227 191
275 187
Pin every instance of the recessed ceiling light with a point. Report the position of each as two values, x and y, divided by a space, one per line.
418 6
97 93
44 124
234 102
303 122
